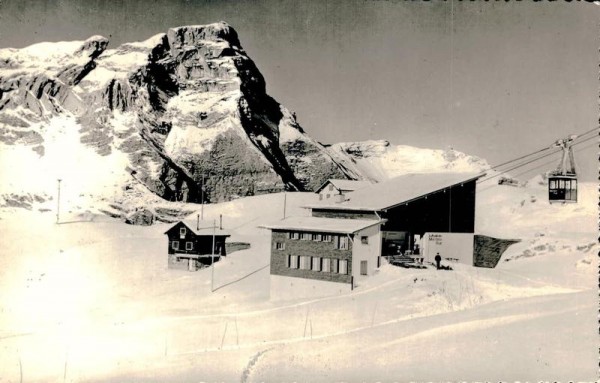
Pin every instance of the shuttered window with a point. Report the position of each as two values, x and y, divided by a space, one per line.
341 242
343 267
334 265
304 262
316 264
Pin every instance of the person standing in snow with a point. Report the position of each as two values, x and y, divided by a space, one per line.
438 259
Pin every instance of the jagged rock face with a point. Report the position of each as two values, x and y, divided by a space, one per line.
185 113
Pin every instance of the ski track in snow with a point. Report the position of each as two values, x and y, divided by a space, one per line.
470 325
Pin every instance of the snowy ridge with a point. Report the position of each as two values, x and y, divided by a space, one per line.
379 160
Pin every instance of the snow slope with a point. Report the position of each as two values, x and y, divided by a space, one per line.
92 300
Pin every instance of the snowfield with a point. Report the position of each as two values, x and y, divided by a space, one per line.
91 299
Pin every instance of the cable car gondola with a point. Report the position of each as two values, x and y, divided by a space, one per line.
562 182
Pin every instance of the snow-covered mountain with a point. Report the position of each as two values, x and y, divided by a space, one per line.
161 113
379 160
183 115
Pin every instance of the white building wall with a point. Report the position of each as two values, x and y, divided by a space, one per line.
366 252
453 247
331 193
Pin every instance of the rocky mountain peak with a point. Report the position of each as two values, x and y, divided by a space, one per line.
93 47
192 35
184 113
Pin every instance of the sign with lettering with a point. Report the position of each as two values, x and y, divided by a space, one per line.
436 238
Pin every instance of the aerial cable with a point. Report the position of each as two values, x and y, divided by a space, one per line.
578 136
534 160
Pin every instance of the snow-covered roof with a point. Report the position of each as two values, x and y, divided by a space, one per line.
203 228
324 225
345 185
398 190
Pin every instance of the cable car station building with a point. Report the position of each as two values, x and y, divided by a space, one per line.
416 214
412 205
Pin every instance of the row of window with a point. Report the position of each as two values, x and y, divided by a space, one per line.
325 265
563 184
309 236
340 242
188 245
326 196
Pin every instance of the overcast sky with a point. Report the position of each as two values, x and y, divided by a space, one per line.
492 79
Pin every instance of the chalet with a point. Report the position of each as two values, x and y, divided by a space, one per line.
337 189
194 244
324 250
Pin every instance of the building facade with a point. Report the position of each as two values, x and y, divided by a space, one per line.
412 205
336 190
324 249
194 244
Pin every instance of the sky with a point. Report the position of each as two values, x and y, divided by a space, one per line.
493 79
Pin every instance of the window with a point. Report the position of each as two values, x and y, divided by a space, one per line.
294 235
364 240
328 195
341 242
316 237
182 232
326 265
293 261
175 245
552 184
316 264
280 245
363 267
334 265
189 245
305 236
304 262
326 238
330 187
343 267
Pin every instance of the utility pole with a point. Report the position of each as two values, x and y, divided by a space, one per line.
202 197
284 202
58 202
212 263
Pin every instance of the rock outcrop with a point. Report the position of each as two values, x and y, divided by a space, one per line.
187 110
